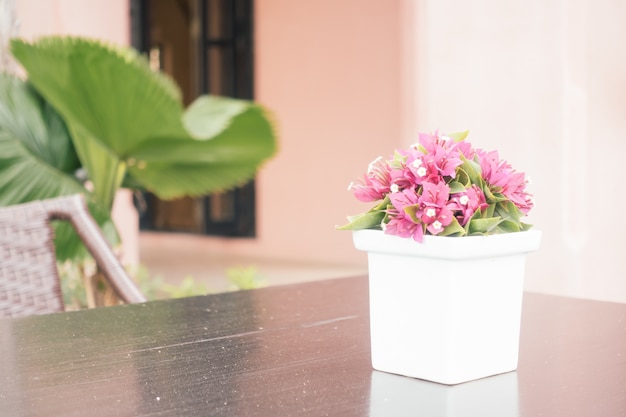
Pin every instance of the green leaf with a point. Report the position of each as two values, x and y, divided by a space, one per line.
110 90
411 211
456 187
383 205
525 226
104 169
493 196
509 211
463 178
490 211
369 220
171 167
245 278
453 229
473 171
459 136
398 160
507 226
208 116
482 226
37 159
109 97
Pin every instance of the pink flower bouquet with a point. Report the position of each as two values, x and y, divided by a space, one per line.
442 186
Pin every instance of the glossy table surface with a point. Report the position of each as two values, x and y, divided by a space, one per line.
294 350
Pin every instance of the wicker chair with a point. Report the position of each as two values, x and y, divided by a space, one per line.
29 279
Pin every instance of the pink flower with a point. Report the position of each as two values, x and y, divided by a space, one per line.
500 177
494 171
465 148
467 203
404 227
400 222
431 141
442 155
375 184
436 212
437 182
515 190
402 177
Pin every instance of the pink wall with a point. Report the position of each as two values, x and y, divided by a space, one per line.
330 70
104 19
331 73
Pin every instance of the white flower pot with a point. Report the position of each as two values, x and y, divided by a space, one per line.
446 310
393 395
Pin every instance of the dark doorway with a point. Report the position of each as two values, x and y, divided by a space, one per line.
206 47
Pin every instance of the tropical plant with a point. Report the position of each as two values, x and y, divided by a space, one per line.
93 117
245 278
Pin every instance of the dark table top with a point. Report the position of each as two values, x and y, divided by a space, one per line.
294 350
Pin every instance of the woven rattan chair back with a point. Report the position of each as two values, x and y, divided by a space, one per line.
29 279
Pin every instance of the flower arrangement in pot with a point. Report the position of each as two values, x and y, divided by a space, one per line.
442 186
446 251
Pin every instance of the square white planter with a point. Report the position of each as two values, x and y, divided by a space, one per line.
446 310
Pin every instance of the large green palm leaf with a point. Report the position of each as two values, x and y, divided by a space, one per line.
37 159
128 120
237 137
